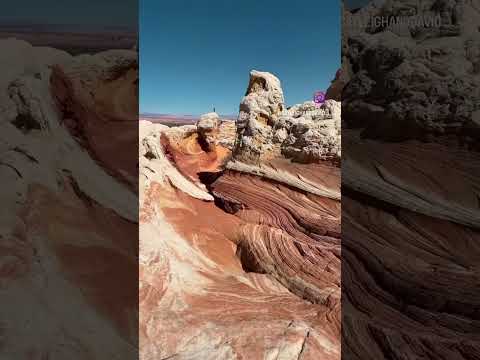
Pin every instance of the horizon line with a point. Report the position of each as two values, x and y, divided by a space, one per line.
178 114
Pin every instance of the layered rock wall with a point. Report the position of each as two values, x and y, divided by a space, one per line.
68 221
226 235
410 214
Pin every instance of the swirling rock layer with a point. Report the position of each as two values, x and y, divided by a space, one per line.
289 234
213 273
68 226
98 96
410 251
410 184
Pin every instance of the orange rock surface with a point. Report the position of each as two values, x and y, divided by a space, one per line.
252 273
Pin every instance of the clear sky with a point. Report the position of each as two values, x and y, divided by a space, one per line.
197 54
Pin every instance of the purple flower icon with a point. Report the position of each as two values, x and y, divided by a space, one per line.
319 98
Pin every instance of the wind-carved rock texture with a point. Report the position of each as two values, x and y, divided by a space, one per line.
415 82
240 255
410 183
68 222
213 131
266 129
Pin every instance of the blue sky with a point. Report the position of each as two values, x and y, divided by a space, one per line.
197 54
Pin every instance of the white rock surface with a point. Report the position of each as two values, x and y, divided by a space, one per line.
266 129
425 80
155 166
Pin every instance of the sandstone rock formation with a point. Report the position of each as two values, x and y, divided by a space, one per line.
268 130
208 128
410 215
155 166
334 92
213 131
227 132
97 95
414 81
225 240
220 248
68 216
